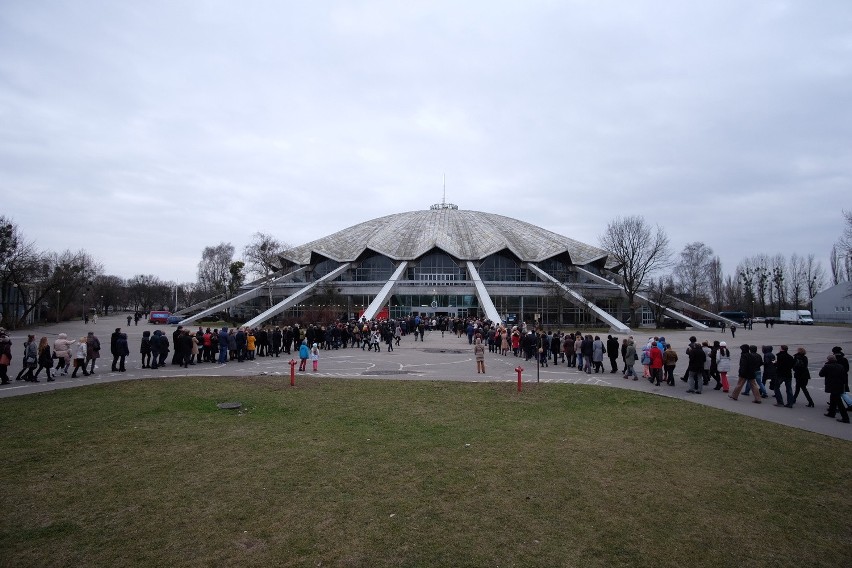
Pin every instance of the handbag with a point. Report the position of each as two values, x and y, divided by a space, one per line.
847 399
5 360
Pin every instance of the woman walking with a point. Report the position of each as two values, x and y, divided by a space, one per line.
45 361
62 347
30 360
80 358
723 365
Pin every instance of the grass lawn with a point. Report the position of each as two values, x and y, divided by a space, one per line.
387 473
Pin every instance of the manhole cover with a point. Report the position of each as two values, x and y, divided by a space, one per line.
229 405
372 373
455 351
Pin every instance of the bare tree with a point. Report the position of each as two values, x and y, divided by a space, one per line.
21 265
778 291
796 280
844 246
111 291
639 249
733 293
148 292
815 275
747 275
214 270
835 260
845 241
261 254
67 276
661 293
692 272
717 284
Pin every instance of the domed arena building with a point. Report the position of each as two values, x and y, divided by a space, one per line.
441 262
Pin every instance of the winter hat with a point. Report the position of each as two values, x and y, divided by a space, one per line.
723 344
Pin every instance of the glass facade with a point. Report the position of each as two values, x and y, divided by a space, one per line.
556 268
324 267
374 269
500 268
436 268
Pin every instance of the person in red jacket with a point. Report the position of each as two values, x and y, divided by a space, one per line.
656 364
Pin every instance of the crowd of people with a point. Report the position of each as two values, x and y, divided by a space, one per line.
757 373
785 373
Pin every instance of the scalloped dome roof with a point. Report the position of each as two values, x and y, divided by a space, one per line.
465 235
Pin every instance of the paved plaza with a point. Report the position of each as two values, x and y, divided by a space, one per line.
451 358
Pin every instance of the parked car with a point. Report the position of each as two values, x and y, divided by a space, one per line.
159 317
174 320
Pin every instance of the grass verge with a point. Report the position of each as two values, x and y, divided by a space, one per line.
384 473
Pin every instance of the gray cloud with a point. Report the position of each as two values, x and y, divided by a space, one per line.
146 131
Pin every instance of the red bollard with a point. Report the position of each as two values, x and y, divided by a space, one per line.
519 370
292 372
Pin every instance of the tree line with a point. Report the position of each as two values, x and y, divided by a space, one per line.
43 285
761 284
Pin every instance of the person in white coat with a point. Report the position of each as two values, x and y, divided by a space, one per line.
62 347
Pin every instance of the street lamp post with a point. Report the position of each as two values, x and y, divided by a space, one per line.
57 306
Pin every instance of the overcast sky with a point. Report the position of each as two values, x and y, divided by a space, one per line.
145 131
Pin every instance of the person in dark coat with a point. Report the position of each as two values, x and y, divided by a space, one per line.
612 352
177 358
123 350
555 347
145 349
155 349
113 348
223 346
93 350
697 357
843 362
748 367
241 342
784 369
770 371
802 375
184 346
834 386
276 341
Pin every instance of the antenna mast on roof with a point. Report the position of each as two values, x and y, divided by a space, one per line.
443 204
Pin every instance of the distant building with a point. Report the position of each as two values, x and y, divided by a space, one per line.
833 305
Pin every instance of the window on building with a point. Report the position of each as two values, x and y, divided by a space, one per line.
500 268
437 268
374 269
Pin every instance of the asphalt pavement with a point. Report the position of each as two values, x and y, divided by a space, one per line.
446 357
